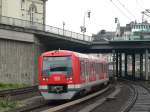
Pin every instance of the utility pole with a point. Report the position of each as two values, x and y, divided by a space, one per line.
63 27
83 28
117 28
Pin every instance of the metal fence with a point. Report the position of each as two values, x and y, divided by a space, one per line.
45 28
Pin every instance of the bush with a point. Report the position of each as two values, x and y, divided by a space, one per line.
12 86
6 104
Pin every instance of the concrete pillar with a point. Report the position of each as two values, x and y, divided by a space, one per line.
141 66
113 63
125 65
120 65
146 64
117 64
133 66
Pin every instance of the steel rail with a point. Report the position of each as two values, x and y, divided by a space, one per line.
141 95
13 92
132 99
75 102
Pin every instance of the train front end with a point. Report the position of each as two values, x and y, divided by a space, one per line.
55 76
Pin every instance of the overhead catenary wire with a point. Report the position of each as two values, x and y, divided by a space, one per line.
146 14
124 14
139 4
128 11
140 7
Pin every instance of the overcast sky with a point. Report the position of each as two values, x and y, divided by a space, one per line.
103 13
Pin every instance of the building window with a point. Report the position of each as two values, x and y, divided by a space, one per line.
22 4
32 11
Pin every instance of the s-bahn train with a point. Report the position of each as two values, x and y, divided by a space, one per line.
64 74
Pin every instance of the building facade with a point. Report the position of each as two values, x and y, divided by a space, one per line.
134 31
29 10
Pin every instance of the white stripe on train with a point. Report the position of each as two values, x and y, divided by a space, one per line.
78 86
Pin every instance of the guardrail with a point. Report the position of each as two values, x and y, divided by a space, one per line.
41 27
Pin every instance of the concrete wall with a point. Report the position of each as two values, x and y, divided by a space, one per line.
18 57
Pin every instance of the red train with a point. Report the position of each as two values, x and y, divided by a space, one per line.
64 74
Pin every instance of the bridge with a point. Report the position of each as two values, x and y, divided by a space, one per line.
21 42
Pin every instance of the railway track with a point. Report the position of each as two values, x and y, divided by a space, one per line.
139 99
57 106
12 93
63 107
74 106
142 103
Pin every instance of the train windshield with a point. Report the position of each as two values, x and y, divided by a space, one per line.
57 65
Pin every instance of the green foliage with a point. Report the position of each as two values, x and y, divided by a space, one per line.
7 104
11 86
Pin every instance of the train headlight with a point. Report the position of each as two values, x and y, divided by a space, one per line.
70 78
45 79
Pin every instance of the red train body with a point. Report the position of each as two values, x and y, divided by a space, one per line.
64 74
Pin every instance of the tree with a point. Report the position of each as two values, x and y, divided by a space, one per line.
102 32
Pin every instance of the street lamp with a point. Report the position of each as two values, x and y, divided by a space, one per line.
63 26
83 28
117 28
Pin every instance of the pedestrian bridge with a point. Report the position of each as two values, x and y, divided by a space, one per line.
57 38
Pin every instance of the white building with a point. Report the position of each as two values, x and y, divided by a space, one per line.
30 10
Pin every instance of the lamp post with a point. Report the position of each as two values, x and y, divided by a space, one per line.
63 26
117 28
83 28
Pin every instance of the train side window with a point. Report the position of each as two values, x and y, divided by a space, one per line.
101 66
97 68
83 64
105 68
82 68
92 68
90 65
88 68
85 68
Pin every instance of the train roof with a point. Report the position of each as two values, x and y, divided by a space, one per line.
67 52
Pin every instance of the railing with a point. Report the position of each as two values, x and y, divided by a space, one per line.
45 28
132 38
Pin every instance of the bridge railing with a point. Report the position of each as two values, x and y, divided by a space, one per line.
45 28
